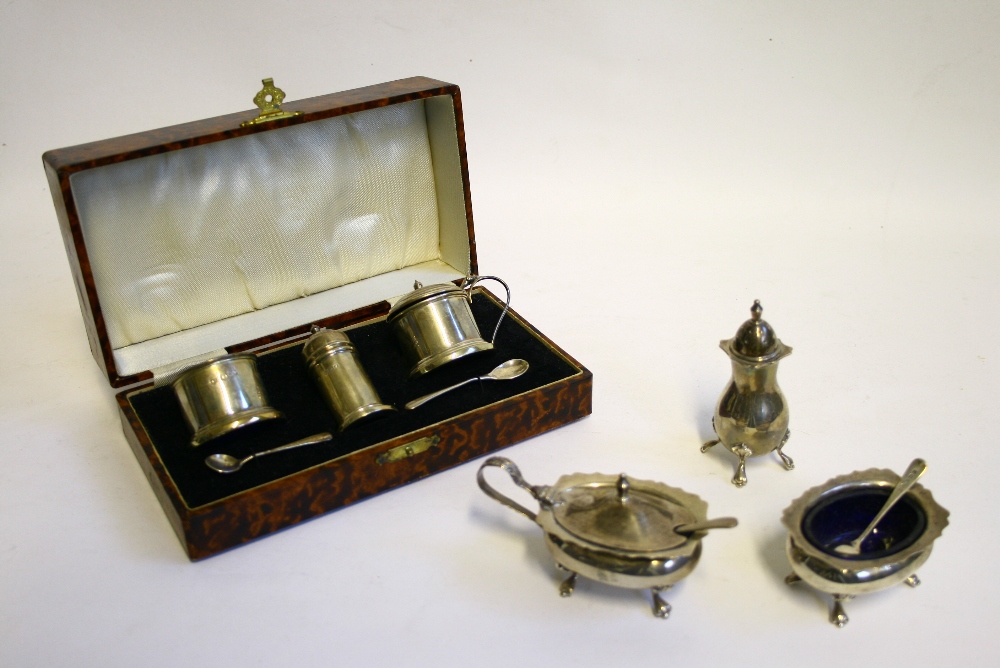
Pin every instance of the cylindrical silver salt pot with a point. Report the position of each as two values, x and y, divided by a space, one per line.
221 395
434 324
334 364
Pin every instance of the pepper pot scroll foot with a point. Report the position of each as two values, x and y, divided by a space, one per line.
837 615
912 581
741 451
660 607
792 579
568 585
785 459
709 444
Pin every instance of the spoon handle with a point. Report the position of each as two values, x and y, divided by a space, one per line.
913 473
434 395
718 523
308 440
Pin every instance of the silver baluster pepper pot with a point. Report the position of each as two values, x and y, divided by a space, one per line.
751 418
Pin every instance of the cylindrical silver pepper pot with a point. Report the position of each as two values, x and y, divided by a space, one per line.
751 418
221 395
334 364
434 324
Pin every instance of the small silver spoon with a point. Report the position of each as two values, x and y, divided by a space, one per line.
718 523
506 371
230 464
909 479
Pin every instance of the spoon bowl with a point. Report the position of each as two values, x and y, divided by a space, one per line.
509 370
224 463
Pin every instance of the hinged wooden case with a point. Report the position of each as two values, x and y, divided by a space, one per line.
214 236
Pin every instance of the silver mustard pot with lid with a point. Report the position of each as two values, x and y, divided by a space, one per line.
434 324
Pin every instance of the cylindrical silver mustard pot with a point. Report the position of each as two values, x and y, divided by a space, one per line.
334 365
221 395
434 324
751 418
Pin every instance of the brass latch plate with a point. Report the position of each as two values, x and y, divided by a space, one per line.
408 449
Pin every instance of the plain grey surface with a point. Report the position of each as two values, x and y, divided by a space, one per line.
640 173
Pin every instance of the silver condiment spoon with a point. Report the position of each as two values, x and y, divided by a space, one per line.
718 523
506 371
909 479
230 464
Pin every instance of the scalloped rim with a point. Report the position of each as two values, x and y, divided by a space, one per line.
691 502
937 517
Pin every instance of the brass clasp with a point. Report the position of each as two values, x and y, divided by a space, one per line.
408 449
269 100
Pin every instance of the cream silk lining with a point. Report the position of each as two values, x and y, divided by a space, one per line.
187 238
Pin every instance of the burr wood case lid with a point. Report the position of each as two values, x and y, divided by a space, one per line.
115 323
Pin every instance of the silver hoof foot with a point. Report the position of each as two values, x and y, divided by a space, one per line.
913 580
567 586
709 445
741 451
792 579
660 607
837 615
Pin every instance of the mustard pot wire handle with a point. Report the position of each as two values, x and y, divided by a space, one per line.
536 491
470 282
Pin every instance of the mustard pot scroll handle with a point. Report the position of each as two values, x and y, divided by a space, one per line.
470 282
536 491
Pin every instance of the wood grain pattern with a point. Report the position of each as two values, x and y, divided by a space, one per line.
61 164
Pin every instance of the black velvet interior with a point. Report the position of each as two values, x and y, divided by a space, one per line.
291 390
840 518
